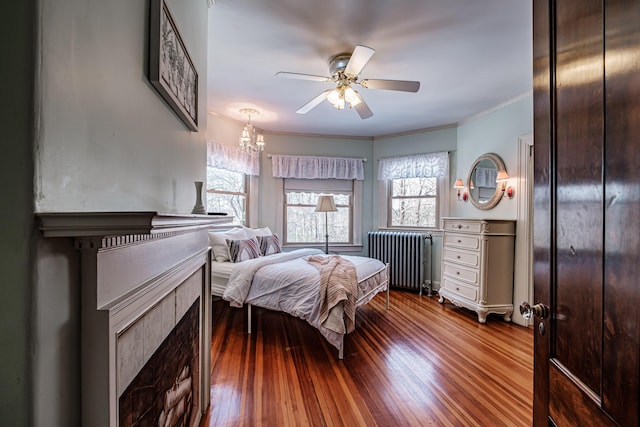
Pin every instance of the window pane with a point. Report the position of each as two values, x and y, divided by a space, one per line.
414 187
295 198
222 179
231 204
413 212
226 181
305 225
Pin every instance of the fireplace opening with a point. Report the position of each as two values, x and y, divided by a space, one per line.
165 391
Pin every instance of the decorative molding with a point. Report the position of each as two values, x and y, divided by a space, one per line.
91 224
494 108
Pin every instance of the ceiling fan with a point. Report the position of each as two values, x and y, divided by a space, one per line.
345 69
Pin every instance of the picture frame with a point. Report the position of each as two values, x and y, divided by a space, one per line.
171 70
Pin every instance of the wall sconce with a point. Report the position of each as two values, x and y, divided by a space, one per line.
503 178
458 185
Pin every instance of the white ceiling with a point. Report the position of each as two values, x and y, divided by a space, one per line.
469 55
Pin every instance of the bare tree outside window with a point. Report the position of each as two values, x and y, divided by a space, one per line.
413 202
227 192
304 225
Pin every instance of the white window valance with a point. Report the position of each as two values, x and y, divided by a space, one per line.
427 165
232 158
311 167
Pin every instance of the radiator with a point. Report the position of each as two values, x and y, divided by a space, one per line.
405 254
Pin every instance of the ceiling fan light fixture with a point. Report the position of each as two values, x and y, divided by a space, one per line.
345 70
350 95
333 96
356 100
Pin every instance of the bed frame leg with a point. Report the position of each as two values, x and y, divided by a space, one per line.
341 349
248 318
388 296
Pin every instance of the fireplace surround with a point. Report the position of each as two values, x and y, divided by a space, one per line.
144 275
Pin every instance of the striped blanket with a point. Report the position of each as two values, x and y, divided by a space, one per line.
338 292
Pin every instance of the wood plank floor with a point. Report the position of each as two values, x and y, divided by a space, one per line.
418 364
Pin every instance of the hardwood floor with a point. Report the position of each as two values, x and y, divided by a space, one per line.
419 363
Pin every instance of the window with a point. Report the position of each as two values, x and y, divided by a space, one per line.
303 225
413 202
227 192
413 190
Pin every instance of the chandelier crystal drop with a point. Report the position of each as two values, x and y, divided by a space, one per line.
250 140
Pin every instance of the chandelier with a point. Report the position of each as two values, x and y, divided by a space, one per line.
250 141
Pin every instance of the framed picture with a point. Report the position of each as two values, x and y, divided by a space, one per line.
171 70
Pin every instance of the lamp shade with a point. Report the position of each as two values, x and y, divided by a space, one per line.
502 176
326 204
458 184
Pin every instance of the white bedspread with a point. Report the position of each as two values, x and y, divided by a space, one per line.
286 282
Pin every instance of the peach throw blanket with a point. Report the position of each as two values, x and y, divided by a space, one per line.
338 292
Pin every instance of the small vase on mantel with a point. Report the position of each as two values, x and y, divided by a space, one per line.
199 207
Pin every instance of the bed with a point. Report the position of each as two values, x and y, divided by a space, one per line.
293 282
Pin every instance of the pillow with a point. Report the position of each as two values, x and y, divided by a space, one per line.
269 244
218 242
255 232
242 250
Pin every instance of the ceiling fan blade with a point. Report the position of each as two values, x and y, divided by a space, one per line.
362 108
299 76
314 102
401 85
359 58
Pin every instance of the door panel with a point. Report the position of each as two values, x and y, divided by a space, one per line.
543 81
587 212
622 213
569 405
578 192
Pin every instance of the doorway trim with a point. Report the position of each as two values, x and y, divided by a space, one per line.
523 272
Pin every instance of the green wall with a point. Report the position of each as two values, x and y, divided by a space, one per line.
17 39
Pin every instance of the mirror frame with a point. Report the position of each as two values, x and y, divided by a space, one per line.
497 195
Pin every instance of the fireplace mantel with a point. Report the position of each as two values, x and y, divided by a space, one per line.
95 224
139 271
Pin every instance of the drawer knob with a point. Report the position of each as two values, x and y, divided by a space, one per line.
459 241
457 289
457 272
459 225
458 257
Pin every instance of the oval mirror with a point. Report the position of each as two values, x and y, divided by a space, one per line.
484 192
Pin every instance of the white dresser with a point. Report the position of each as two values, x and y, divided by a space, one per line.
477 265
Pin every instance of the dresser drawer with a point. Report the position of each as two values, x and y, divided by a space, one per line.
462 241
467 275
470 259
453 224
457 288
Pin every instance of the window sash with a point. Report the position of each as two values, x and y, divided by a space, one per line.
437 205
320 219
245 194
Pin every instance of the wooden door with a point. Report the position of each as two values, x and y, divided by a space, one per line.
587 212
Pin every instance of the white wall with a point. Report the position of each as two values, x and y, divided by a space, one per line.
106 141
495 132
425 142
